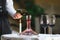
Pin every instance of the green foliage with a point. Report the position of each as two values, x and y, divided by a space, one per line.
33 9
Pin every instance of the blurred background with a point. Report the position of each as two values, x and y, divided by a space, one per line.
36 8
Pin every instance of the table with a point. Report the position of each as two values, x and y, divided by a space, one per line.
18 37
49 36
31 37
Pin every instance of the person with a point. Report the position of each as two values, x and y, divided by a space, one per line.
7 5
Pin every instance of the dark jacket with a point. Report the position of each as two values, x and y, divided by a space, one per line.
4 24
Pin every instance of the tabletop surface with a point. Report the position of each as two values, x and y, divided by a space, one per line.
31 36
19 36
39 36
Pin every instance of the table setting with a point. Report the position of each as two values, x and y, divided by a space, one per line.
30 34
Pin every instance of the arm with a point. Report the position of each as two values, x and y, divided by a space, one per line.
11 10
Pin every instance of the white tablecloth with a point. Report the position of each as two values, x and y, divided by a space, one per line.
19 37
49 37
31 37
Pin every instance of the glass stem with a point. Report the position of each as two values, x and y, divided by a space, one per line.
44 30
51 30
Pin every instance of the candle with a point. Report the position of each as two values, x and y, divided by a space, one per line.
20 26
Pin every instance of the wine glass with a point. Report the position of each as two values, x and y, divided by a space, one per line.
44 22
28 30
52 20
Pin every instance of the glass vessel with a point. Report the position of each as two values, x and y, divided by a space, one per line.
44 22
52 20
28 30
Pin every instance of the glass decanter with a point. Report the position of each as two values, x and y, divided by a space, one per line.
28 30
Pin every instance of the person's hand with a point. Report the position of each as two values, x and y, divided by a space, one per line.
17 16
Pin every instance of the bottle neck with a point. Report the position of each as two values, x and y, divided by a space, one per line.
28 24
